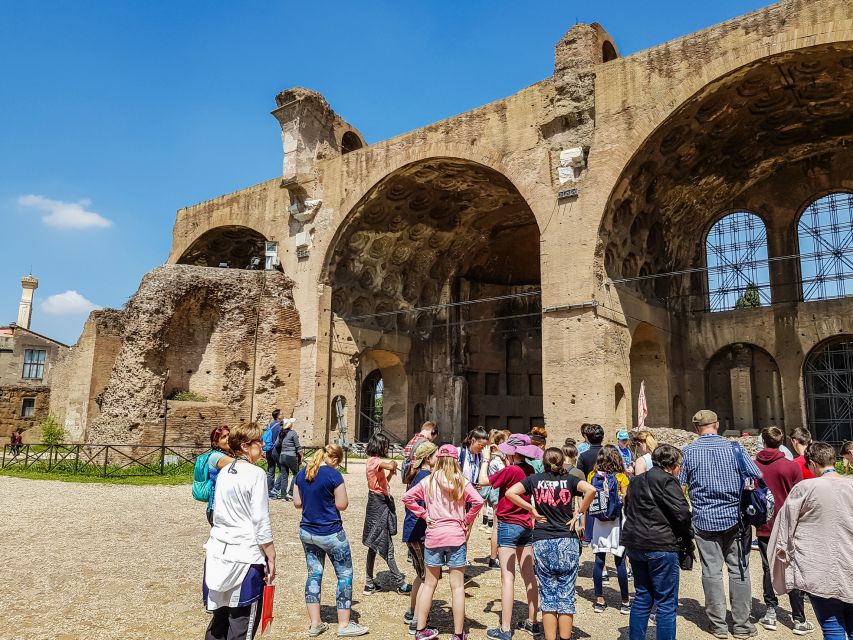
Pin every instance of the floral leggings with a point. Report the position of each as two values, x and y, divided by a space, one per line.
336 546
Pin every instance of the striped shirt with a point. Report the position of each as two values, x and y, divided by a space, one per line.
714 484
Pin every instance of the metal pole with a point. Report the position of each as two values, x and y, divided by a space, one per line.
106 457
163 441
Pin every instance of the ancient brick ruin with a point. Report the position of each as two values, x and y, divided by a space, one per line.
593 213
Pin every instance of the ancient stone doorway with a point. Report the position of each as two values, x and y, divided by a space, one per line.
743 387
370 410
648 363
439 265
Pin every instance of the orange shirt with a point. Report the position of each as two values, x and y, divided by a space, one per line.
377 479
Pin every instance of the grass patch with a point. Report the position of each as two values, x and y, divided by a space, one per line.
34 473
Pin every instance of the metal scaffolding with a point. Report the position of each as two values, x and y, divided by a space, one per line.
736 253
828 378
825 233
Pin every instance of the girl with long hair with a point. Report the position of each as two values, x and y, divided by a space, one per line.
606 534
380 520
496 462
450 505
556 548
515 533
321 494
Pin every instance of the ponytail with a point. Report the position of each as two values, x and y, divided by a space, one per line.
329 452
314 465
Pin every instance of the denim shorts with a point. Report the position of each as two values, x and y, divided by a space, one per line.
453 557
513 535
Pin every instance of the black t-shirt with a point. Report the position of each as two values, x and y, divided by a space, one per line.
586 460
552 493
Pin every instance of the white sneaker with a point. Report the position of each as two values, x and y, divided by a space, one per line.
803 628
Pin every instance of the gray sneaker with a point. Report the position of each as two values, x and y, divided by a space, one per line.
745 636
351 630
803 628
769 619
313 632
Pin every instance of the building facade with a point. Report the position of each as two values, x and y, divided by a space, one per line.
681 217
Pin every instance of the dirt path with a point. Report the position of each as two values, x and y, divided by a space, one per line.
107 562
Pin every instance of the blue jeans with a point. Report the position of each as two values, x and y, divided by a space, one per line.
656 576
453 557
621 575
336 546
272 465
514 535
834 616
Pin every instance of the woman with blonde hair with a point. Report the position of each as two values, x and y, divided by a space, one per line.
441 500
321 494
239 554
645 445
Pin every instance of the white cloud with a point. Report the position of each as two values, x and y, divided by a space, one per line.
68 303
65 215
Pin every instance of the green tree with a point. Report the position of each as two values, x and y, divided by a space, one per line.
51 431
750 298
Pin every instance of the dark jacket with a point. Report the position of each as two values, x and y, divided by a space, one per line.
781 475
656 513
288 444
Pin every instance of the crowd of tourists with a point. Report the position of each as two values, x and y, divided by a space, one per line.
652 508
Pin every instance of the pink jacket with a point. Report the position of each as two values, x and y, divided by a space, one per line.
448 516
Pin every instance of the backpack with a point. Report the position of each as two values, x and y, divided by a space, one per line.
606 505
756 499
407 461
267 440
202 482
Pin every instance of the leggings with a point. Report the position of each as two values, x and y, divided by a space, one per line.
621 575
392 565
234 622
336 546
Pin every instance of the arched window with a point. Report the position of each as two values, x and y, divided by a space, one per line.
370 418
825 234
736 253
350 142
608 52
828 381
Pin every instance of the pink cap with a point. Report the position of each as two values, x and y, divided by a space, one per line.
447 451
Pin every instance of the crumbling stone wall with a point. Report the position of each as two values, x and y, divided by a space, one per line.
245 358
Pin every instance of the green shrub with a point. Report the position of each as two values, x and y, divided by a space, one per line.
51 431
187 396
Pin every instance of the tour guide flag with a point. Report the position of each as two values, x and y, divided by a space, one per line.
266 609
642 407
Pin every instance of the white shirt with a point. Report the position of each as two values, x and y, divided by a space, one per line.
241 523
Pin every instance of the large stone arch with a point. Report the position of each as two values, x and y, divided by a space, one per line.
414 252
235 246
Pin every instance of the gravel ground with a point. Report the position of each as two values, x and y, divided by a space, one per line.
104 562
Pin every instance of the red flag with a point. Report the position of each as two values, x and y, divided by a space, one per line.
266 608
642 407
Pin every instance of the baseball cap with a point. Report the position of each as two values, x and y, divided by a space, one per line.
704 417
447 451
424 451
623 435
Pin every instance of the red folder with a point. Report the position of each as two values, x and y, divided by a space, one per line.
266 608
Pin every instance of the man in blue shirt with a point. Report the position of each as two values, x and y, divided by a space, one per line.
272 456
714 484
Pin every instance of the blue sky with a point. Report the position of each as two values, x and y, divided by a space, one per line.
115 114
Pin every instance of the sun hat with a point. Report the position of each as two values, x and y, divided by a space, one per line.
704 417
424 451
514 441
447 451
623 435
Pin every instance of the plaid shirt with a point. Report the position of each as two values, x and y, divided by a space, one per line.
714 483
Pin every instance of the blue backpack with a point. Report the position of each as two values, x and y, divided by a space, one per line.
606 505
268 443
202 482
